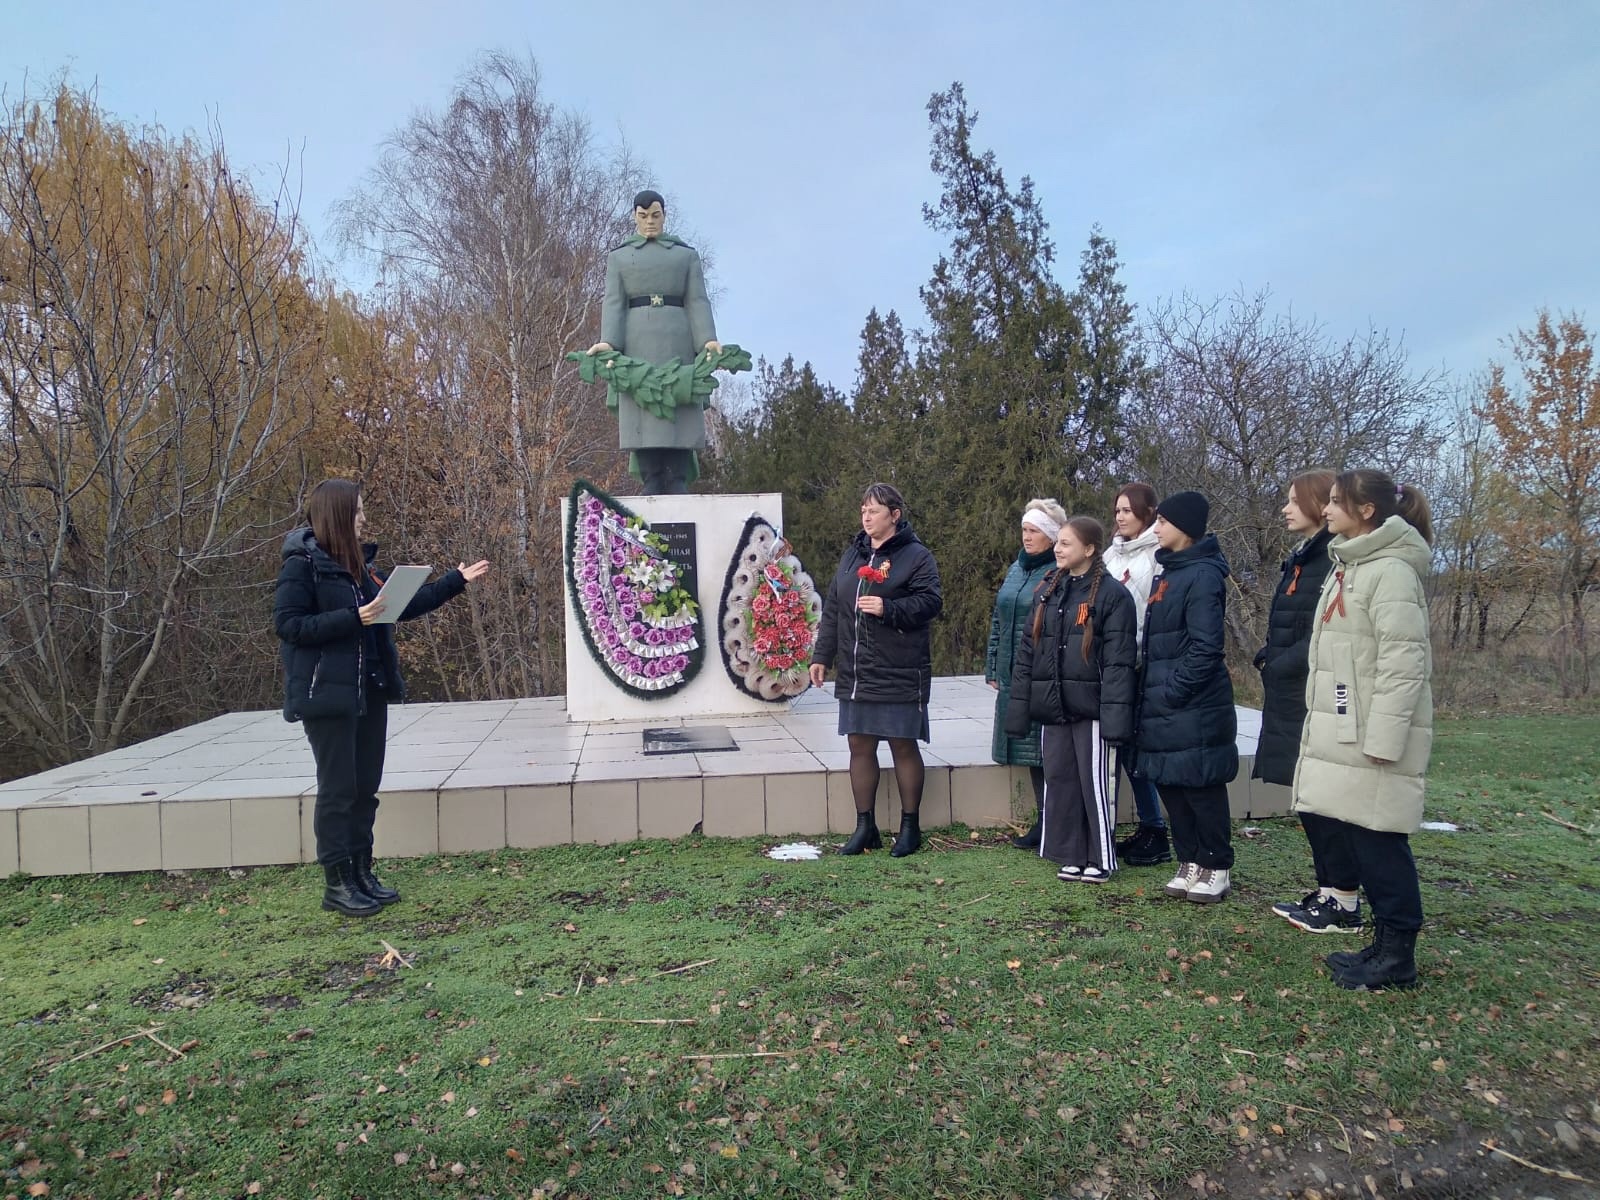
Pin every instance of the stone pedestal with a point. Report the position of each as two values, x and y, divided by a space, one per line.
719 521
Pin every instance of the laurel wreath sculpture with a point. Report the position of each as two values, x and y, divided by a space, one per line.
659 388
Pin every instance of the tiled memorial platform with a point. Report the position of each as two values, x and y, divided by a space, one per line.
238 790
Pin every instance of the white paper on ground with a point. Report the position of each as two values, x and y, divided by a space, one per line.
403 583
795 852
1441 826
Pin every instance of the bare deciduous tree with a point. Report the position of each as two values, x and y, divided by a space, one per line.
491 220
158 342
1244 398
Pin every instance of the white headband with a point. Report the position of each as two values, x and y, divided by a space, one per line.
1041 522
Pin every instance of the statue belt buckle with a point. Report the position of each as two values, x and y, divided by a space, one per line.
657 300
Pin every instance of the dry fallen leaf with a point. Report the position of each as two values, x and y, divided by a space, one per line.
169 1097
401 1159
41 1188
515 1155
485 1061
1013 963
300 1035
140 920
730 1152
253 1188
448 1098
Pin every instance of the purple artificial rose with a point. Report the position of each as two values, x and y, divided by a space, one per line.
618 558
602 624
657 637
610 638
628 611
646 596
591 590
624 592
589 574
637 631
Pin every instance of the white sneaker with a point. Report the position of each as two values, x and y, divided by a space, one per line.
1180 883
1209 886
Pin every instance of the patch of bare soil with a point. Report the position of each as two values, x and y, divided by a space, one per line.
1529 1158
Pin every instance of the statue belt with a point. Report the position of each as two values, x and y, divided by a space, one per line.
655 301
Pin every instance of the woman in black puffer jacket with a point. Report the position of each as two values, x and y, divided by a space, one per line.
1074 675
1334 905
874 628
1188 729
341 673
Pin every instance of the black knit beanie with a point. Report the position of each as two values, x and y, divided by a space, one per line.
1189 511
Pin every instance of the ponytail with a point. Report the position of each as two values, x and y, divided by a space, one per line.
1388 499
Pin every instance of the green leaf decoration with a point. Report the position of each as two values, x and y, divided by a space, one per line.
659 388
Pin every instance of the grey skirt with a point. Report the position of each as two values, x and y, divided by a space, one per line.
905 720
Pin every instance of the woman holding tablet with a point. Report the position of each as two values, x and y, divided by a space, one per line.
341 674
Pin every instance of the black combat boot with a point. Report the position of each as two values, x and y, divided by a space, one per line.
1030 840
909 837
866 836
1150 848
1392 965
370 883
342 891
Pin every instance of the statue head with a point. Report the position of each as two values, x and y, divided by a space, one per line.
649 214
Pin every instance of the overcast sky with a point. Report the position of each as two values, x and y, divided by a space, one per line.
1428 168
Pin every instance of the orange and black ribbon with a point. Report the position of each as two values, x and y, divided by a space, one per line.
1293 582
1336 605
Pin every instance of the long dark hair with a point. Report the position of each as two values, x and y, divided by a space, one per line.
1091 533
1141 498
331 513
1388 499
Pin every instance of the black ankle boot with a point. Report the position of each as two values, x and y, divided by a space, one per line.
342 891
1392 964
370 883
1030 840
866 836
1150 848
909 837
1341 961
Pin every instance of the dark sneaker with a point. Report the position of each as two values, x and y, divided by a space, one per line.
1324 914
1124 844
1152 850
1285 907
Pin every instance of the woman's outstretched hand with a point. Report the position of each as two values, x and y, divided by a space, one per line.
819 674
475 571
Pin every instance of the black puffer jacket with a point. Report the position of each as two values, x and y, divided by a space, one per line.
1052 684
1283 661
888 659
1188 729
324 642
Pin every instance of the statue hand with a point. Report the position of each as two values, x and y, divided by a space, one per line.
600 347
713 347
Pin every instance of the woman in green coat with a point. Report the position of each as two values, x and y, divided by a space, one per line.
1369 727
1041 522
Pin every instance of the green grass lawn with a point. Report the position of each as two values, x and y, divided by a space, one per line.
954 1024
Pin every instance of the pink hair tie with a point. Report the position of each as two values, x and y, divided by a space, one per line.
1399 491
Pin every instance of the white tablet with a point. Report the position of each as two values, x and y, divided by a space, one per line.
397 591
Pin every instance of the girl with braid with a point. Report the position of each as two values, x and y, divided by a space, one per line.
1074 676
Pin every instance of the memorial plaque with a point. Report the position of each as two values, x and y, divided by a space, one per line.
688 739
680 549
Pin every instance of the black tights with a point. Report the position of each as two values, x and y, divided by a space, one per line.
864 771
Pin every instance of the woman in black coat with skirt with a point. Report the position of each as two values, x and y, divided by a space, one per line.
875 630
341 674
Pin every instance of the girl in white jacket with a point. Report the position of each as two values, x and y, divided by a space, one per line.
1369 726
1130 559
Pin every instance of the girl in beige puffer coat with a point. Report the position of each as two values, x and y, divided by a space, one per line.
1369 730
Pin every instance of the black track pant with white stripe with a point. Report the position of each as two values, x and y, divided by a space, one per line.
1078 818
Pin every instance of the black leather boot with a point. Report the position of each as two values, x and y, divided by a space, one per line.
1030 840
1392 965
342 891
1342 960
909 837
866 836
370 883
